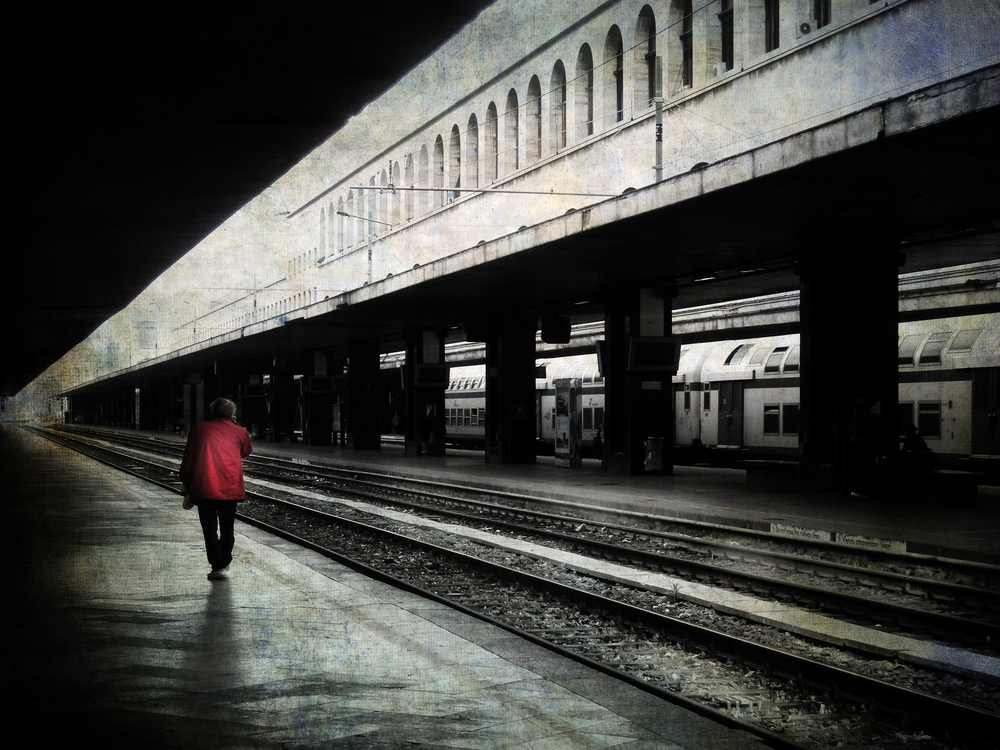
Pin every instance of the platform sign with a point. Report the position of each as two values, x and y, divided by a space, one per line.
567 418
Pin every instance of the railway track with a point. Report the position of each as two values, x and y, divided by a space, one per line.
689 652
957 612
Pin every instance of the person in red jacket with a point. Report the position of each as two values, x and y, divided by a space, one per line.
212 475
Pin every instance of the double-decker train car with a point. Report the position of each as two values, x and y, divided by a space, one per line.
742 397
465 402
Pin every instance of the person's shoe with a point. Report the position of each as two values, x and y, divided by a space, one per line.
218 575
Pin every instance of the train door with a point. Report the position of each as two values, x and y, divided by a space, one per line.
730 414
986 412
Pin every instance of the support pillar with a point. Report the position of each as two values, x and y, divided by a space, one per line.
254 399
283 399
364 402
849 381
638 405
511 418
317 427
193 403
426 378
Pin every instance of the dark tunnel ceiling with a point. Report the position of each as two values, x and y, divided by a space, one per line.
136 132
139 138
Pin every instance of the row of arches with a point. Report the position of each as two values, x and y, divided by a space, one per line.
664 52
261 312
570 104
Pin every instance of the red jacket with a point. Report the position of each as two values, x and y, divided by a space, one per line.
212 467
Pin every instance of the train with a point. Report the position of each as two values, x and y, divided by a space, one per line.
740 398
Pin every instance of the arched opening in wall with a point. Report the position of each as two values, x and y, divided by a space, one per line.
492 160
438 172
772 25
821 12
454 163
645 58
687 59
557 107
371 208
583 93
614 78
533 121
350 223
383 203
764 20
726 56
360 224
409 181
323 229
714 64
674 53
331 233
338 227
423 167
394 195
511 132
472 152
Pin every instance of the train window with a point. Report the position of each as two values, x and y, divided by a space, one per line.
907 348
475 418
792 360
964 340
930 354
790 419
687 400
929 419
707 398
774 361
598 417
736 355
772 419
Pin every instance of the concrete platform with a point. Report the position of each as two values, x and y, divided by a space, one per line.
114 635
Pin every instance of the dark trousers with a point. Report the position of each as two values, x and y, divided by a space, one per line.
217 520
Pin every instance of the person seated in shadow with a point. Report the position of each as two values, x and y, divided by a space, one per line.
914 455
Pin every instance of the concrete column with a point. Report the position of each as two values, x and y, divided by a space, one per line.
317 406
849 374
364 407
252 396
638 406
193 402
283 397
426 378
511 418
153 406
